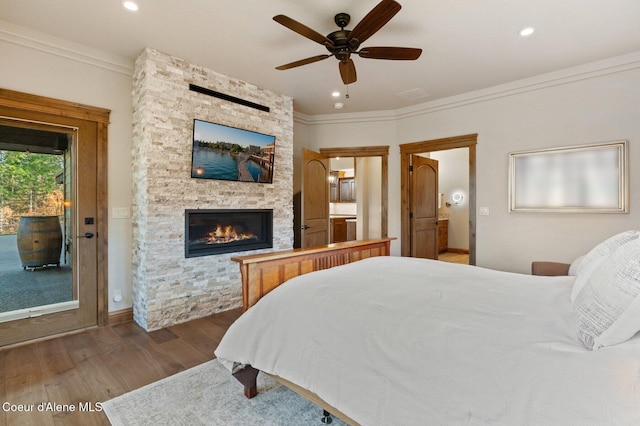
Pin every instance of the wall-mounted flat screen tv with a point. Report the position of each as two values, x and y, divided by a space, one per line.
228 153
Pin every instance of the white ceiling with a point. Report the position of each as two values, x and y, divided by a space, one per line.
467 44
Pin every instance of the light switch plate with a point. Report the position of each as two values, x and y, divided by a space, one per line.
121 213
484 211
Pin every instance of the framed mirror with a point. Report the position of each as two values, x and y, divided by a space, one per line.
575 179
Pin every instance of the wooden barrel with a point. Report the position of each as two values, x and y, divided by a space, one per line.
39 241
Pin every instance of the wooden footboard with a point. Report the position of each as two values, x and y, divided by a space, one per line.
261 273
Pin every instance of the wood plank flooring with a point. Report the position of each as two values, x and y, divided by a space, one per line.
80 370
454 257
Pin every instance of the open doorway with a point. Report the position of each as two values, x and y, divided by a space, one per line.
368 188
453 204
343 200
355 198
467 142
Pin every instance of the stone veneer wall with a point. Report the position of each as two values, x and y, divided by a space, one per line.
167 287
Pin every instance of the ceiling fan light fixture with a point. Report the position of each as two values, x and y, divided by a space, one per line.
342 43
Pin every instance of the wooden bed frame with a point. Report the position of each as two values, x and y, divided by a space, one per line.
261 273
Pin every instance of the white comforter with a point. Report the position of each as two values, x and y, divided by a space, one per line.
403 341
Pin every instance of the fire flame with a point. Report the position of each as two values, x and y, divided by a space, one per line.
227 234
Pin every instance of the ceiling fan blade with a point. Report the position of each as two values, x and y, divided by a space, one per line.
393 53
302 62
348 71
375 19
302 29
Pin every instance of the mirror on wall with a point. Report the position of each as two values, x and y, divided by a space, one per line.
576 179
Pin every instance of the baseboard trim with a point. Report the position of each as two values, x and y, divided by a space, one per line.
458 251
121 316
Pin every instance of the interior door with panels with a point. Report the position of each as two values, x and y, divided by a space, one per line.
424 207
315 199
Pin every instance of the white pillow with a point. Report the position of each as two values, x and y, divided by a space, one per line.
607 310
596 256
573 268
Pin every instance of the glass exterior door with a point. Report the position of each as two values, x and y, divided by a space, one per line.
36 219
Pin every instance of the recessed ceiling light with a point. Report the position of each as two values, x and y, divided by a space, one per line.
335 94
338 105
527 31
130 5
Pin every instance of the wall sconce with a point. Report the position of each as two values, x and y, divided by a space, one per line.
456 199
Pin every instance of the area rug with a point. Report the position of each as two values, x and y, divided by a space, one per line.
209 395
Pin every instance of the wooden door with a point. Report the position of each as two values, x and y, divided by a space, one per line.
85 212
424 207
315 199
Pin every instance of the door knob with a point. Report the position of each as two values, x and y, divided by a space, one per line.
86 235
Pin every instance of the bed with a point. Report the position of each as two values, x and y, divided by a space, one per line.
392 340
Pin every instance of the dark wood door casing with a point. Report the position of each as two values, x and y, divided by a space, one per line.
370 151
406 150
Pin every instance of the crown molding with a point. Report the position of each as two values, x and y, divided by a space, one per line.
26 37
543 81
557 78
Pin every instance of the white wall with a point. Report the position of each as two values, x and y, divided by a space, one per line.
36 63
594 103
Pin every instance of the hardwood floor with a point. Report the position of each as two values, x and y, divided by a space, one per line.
78 371
454 257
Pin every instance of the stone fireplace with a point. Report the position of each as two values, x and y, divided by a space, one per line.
210 232
169 285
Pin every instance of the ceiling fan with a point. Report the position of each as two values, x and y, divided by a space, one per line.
343 43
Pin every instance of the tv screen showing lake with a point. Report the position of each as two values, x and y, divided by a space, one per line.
227 153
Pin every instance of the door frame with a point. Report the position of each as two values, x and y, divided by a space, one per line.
406 150
369 151
34 106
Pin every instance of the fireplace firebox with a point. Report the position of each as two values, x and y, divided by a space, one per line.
211 232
